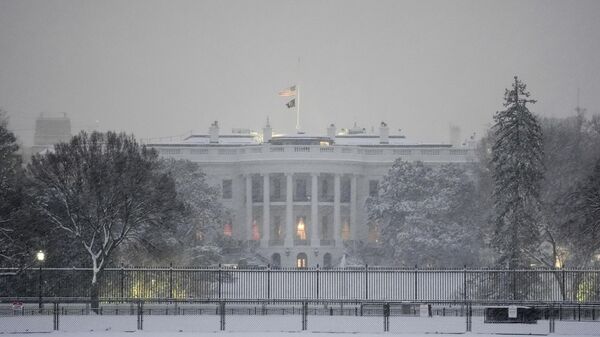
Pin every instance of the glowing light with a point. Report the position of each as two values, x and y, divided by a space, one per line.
301 260
346 231
561 257
255 231
227 230
40 256
300 229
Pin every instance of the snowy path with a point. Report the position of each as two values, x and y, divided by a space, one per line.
273 325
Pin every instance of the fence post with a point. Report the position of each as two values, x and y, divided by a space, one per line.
386 317
366 281
269 281
304 315
122 280
222 314
564 286
220 279
465 283
55 314
140 315
171 280
317 277
514 284
469 319
416 282
551 320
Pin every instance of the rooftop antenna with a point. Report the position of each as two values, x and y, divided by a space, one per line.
578 109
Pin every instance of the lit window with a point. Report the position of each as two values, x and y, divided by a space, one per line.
301 260
255 231
227 230
346 231
301 229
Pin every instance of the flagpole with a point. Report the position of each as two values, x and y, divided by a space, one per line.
298 108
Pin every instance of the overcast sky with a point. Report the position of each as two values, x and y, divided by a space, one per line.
163 68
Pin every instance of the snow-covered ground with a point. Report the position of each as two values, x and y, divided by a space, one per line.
273 325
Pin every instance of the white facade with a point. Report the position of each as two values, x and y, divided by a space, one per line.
299 199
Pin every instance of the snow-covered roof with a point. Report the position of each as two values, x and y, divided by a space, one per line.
234 139
357 140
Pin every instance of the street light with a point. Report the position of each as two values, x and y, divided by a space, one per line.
40 256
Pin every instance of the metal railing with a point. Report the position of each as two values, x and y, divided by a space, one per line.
128 314
360 283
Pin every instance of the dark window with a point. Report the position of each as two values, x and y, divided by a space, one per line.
301 189
276 189
227 189
324 228
324 187
373 188
276 260
345 191
327 260
257 189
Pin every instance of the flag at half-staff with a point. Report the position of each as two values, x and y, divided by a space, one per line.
289 92
294 92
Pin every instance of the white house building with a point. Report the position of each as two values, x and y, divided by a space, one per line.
299 199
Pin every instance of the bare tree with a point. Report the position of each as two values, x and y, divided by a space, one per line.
101 189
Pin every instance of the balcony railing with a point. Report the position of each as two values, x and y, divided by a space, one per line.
298 242
385 154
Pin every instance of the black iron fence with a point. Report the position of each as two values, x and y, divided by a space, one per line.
364 283
128 314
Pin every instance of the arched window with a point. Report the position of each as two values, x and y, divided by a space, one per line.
276 260
327 260
301 261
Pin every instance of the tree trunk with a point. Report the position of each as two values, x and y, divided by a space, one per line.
95 296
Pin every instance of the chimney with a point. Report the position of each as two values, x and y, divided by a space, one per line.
213 131
331 132
267 132
384 133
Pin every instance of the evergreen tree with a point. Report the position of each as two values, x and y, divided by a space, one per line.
427 216
517 160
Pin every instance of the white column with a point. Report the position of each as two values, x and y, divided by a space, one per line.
337 234
249 218
266 234
314 211
289 211
353 198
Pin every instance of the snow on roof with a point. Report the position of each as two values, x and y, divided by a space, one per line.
371 140
234 139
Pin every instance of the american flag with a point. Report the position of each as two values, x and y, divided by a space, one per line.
289 92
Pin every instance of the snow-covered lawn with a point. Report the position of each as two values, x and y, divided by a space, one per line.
273 325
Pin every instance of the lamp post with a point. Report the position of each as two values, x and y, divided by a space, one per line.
40 256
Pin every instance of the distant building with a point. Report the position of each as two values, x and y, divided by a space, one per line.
49 131
298 199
